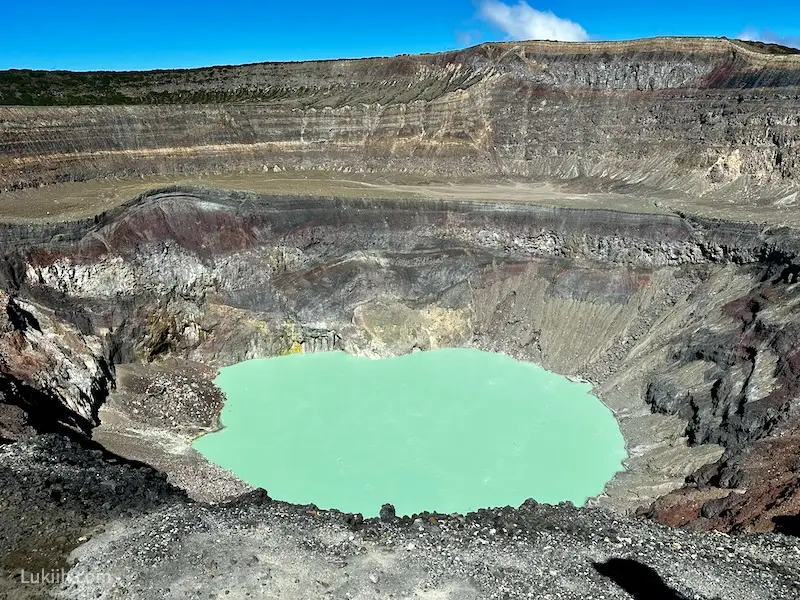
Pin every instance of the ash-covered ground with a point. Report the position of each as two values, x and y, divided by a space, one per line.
134 536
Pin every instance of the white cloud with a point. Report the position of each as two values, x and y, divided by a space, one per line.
522 22
467 38
756 35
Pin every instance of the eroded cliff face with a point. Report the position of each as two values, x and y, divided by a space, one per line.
689 319
52 376
699 116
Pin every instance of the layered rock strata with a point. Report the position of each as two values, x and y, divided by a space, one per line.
702 116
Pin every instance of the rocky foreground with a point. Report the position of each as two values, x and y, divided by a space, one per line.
138 537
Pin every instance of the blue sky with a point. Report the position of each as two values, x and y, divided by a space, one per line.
86 35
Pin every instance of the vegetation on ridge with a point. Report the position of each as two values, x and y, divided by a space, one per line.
261 82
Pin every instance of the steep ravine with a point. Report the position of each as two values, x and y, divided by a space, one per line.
689 320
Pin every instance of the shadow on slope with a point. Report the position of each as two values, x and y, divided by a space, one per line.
637 579
787 525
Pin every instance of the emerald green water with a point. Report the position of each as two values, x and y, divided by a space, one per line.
446 430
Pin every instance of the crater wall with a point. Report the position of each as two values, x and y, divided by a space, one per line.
664 314
701 116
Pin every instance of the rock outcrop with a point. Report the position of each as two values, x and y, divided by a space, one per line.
52 376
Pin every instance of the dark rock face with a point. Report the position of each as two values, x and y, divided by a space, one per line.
723 410
51 376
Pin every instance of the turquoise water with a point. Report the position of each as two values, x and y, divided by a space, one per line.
446 430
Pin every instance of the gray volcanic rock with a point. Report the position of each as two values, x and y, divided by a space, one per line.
534 551
57 493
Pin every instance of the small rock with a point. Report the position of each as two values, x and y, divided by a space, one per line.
373 578
387 514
